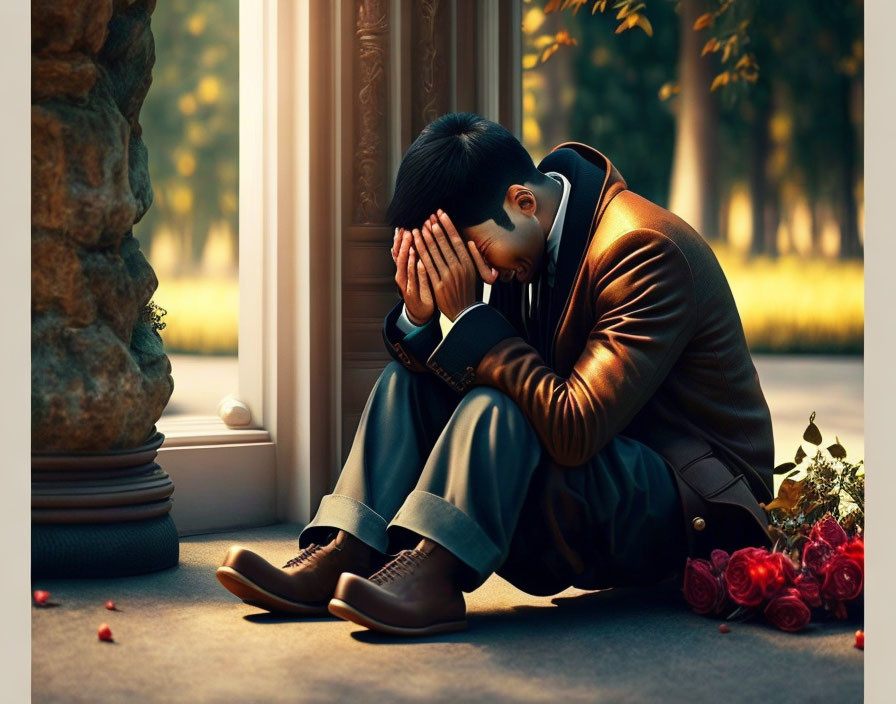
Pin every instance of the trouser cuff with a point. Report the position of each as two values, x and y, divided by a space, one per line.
352 516
433 517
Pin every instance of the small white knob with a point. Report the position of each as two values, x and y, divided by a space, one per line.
234 412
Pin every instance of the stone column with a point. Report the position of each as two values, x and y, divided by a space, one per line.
100 378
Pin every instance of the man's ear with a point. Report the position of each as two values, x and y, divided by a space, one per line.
522 198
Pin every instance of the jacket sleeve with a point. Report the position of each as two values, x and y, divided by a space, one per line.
412 348
645 313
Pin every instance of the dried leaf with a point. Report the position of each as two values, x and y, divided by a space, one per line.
621 28
837 450
729 47
565 38
704 21
788 495
644 24
710 46
720 80
669 89
599 5
549 52
552 6
786 467
800 455
812 434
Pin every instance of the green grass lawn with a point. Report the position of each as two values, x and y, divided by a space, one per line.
791 304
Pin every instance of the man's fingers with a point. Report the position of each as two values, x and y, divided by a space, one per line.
395 244
401 263
423 279
425 254
445 247
456 242
488 274
412 275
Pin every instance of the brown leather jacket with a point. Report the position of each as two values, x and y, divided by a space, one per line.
647 342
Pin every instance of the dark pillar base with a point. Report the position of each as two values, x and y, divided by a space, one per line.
103 549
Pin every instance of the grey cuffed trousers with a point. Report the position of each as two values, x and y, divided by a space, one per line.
459 470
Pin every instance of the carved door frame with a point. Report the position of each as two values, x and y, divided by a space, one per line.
403 63
347 85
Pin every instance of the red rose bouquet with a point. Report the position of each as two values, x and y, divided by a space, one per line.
819 567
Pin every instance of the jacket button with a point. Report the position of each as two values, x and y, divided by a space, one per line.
699 523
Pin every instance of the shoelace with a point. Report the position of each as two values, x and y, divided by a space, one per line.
303 556
404 563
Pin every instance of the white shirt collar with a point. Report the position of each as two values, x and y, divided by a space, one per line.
553 239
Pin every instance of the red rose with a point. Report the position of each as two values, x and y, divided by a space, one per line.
754 574
815 554
855 551
703 589
787 611
809 588
785 565
843 578
719 560
828 530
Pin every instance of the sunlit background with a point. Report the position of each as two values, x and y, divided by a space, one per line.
769 170
191 126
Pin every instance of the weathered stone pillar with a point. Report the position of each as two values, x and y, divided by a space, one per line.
100 378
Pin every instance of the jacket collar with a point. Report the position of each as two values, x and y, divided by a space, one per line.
595 182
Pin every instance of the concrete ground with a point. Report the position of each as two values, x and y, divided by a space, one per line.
180 637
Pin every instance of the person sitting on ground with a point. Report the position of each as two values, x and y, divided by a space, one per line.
571 400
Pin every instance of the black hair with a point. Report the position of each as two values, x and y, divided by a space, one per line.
463 164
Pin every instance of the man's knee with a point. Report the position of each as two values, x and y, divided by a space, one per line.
398 379
485 399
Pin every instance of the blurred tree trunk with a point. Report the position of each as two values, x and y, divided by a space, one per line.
850 247
694 192
763 195
816 220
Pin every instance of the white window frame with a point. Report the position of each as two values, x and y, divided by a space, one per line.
227 478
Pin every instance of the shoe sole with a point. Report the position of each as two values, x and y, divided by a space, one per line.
339 608
254 595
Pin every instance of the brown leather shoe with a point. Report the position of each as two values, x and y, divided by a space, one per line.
414 594
305 583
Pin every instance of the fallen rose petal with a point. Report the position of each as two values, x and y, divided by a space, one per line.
41 596
860 640
104 632
110 605
723 628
